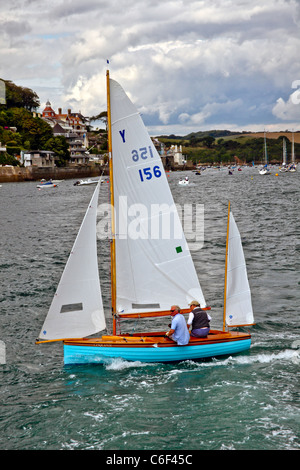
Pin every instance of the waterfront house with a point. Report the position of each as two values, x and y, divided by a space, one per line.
38 158
73 126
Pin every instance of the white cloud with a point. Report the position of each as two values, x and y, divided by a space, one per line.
186 64
288 110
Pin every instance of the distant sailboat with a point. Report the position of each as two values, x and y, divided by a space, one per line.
265 170
148 274
284 156
184 181
292 166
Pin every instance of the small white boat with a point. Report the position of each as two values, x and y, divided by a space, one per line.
184 182
264 171
85 182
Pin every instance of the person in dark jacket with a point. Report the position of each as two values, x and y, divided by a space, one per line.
199 320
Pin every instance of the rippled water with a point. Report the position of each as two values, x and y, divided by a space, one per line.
249 401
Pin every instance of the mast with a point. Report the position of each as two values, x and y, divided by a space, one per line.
266 154
113 241
226 261
284 151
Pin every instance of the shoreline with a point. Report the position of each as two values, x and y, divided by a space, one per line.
16 174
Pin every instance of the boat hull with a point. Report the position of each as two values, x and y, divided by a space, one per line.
46 185
153 349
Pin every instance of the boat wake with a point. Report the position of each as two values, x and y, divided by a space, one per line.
121 364
288 355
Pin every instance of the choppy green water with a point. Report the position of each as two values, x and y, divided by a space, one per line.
250 401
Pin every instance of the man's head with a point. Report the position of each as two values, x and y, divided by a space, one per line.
193 304
174 310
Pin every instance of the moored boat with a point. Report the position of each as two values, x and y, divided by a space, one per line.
184 181
85 182
265 170
46 185
292 168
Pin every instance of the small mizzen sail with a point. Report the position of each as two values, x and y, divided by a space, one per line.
77 309
238 305
154 267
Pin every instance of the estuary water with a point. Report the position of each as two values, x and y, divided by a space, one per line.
245 402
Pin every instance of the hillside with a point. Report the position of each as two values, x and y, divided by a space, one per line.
275 135
225 147
226 134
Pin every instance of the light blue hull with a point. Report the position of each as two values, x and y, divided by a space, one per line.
76 354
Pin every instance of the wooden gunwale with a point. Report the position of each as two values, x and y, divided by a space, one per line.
147 340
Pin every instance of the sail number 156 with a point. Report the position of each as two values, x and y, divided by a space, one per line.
142 153
145 173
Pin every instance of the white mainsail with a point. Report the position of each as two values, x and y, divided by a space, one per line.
284 156
293 149
238 296
77 309
154 268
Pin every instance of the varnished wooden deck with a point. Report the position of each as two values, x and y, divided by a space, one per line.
155 338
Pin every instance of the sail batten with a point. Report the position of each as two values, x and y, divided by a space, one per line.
124 117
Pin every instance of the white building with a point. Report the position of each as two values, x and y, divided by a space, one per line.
38 158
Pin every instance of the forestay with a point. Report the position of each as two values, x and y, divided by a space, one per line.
154 268
238 296
77 309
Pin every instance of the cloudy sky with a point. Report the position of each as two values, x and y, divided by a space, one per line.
187 65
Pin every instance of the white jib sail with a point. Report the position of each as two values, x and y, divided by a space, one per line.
238 296
77 309
154 268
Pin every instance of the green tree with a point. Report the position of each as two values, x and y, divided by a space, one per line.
60 146
36 131
208 141
100 117
20 97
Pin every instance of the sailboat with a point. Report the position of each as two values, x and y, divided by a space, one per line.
265 170
284 157
292 166
184 181
148 273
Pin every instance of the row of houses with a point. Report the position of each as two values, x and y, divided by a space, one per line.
172 158
73 126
